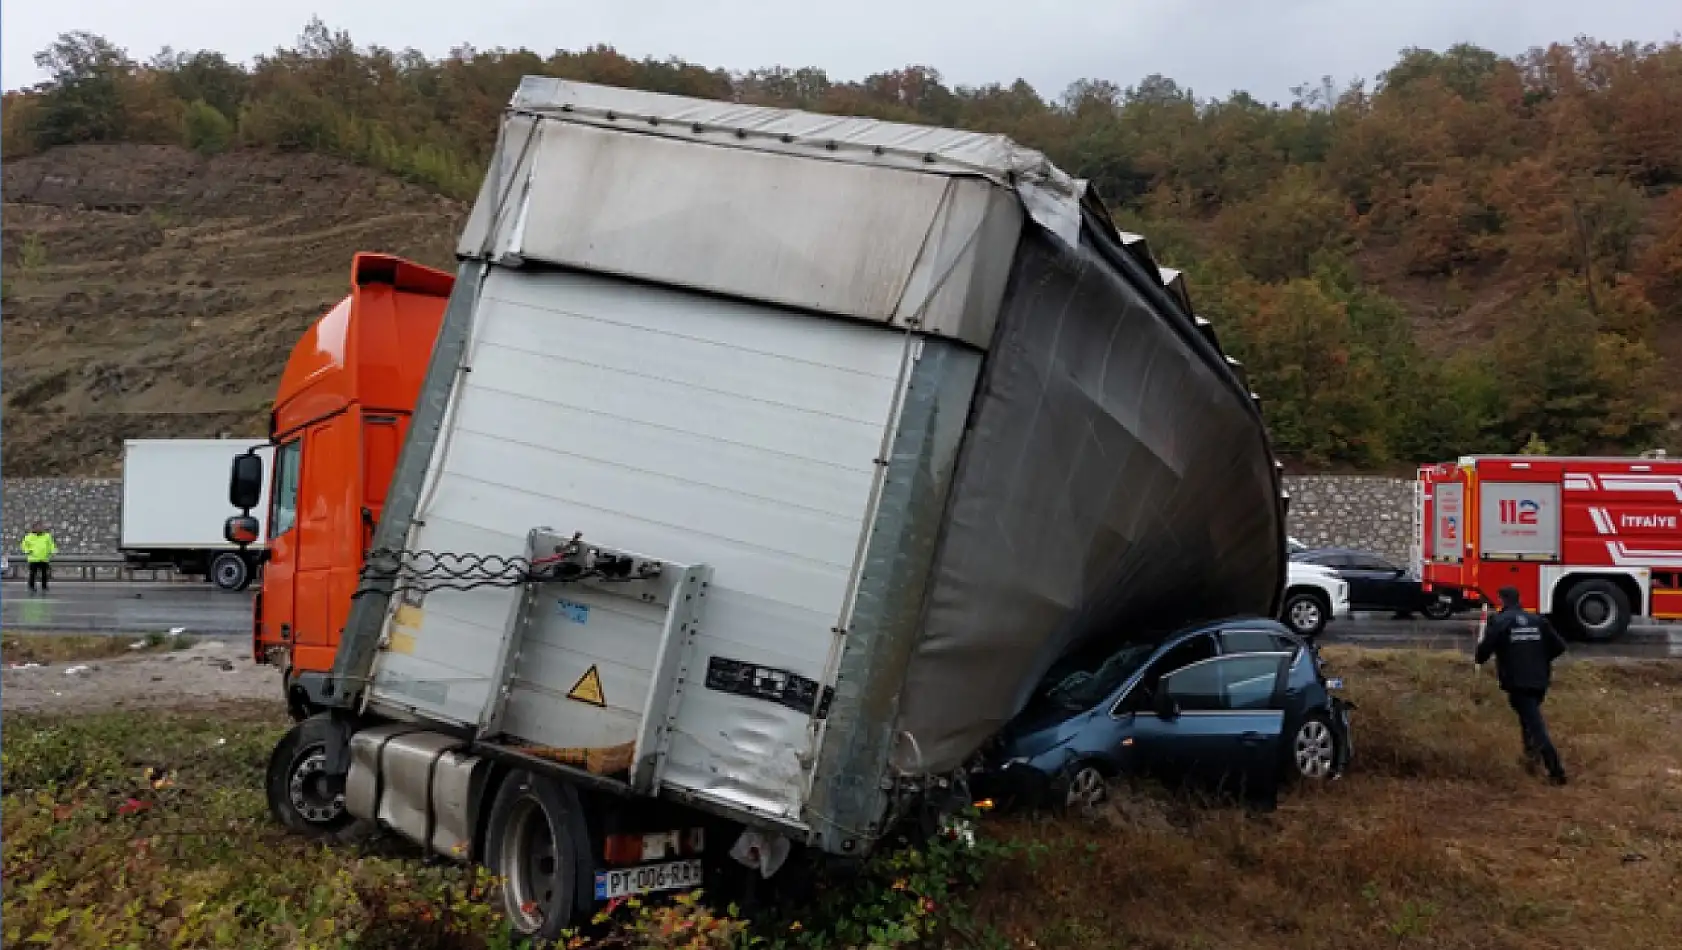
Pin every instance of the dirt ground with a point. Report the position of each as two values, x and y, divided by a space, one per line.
154 292
208 672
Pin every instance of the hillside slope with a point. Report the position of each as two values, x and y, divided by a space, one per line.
155 292
1471 253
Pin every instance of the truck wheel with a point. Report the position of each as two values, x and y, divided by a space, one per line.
230 571
301 795
1306 613
533 844
1598 609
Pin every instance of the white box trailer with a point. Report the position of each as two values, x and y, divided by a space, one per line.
175 500
765 462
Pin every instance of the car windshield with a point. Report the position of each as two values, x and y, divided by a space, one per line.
1085 687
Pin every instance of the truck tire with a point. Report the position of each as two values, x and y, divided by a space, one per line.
300 795
1598 610
230 571
1306 612
537 845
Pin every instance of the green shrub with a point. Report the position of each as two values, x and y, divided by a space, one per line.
208 131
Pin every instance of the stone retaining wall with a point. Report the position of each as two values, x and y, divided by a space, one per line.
83 514
1371 513
1368 512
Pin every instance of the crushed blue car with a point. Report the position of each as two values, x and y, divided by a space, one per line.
1242 705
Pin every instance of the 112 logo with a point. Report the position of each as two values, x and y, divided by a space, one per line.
1520 511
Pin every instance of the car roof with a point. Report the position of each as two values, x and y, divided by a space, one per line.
1255 622
1342 551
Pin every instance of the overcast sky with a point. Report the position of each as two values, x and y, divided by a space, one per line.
1212 46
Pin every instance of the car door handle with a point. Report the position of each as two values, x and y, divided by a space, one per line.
1252 738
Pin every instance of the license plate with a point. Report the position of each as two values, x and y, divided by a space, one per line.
1335 682
647 879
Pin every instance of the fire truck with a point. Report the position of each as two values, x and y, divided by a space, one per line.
1591 542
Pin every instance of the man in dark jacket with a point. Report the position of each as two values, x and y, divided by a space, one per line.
1525 646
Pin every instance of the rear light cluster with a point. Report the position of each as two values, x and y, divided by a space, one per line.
629 849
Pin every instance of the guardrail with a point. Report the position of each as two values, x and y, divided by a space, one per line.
98 567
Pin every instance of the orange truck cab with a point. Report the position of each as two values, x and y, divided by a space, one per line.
339 419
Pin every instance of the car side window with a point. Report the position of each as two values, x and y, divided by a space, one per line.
1250 680
1249 641
1194 650
1227 684
1370 563
1196 688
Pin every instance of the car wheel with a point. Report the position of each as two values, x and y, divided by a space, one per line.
531 845
1599 610
1314 750
1306 613
1438 608
1084 787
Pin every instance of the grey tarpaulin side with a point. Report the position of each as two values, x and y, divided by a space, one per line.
1115 478
848 799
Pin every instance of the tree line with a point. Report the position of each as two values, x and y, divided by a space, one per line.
1473 253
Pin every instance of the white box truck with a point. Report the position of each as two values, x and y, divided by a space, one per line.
175 500
764 463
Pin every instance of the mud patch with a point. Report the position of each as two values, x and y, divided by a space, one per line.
212 671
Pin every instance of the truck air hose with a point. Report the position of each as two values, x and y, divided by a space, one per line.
427 571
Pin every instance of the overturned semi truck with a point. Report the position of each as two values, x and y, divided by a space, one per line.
764 462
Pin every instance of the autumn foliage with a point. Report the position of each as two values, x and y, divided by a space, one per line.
1469 252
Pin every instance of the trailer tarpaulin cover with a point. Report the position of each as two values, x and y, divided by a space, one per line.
1112 482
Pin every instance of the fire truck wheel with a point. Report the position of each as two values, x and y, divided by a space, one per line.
1599 610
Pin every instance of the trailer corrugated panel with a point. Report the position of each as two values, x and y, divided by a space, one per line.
685 427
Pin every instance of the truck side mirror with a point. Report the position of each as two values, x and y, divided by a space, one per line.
241 530
245 485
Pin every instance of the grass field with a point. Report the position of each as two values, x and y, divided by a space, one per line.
73 647
125 830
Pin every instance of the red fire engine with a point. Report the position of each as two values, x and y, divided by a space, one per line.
1592 542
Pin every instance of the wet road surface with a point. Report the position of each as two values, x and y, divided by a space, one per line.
114 607
141 608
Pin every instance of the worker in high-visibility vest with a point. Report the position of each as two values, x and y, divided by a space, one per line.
38 549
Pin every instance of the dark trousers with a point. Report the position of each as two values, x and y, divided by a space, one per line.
1527 703
42 570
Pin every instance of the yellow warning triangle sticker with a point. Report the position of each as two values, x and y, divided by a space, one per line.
588 689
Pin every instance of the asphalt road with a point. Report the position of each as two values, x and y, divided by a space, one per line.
142 608
112 607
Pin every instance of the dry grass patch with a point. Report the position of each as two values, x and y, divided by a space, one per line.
50 648
1438 838
148 829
